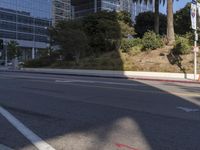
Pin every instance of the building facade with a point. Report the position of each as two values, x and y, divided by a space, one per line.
134 8
111 5
81 8
26 21
141 7
117 5
61 10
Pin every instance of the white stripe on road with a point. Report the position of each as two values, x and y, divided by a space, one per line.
3 147
102 82
71 81
32 137
186 109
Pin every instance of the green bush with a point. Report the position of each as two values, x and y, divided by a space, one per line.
151 41
190 37
182 46
127 44
145 22
36 63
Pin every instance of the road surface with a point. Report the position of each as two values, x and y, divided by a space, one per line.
57 112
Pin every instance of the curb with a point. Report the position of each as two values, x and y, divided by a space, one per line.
104 76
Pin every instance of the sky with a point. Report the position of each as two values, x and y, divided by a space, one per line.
177 5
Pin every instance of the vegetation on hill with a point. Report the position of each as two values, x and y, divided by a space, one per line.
108 40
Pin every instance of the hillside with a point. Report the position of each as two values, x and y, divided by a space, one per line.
157 60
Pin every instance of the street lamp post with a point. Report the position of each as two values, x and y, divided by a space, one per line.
194 14
95 6
6 54
49 41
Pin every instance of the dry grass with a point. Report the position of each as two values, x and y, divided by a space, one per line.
156 60
159 61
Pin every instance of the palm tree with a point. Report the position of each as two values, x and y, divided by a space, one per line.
156 16
170 17
170 23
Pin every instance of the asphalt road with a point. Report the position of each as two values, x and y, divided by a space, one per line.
83 113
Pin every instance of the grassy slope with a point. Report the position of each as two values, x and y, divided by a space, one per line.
158 60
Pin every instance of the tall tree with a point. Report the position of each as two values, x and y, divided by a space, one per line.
170 23
156 17
170 18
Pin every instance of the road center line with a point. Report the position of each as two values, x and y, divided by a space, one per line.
31 136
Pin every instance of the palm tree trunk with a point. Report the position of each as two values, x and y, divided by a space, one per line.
170 23
156 17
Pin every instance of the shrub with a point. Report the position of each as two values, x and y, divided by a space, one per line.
145 22
151 41
127 44
190 37
182 46
135 50
36 63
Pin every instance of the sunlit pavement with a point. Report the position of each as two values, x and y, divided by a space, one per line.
82 113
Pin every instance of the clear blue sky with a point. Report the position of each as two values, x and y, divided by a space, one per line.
177 5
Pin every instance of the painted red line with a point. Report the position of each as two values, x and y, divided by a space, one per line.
125 146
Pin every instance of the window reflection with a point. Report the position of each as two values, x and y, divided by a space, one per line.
25 19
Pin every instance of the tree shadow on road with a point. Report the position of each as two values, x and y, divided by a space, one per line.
96 116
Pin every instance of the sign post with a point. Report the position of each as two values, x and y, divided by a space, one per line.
194 27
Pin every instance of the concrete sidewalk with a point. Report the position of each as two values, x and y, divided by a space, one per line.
153 76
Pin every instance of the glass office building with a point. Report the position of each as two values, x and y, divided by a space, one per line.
61 10
26 21
117 5
141 7
111 5
134 8
81 8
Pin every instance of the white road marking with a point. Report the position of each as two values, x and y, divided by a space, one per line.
27 77
3 147
31 136
71 81
188 109
104 82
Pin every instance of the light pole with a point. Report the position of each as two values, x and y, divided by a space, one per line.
6 54
49 41
95 6
195 42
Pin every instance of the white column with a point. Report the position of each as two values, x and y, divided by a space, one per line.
33 53
95 6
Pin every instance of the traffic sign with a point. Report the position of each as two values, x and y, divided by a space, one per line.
196 49
193 14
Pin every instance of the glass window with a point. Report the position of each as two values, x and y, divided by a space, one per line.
6 34
7 16
41 31
41 38
25 20
22 36
24 28
7 26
